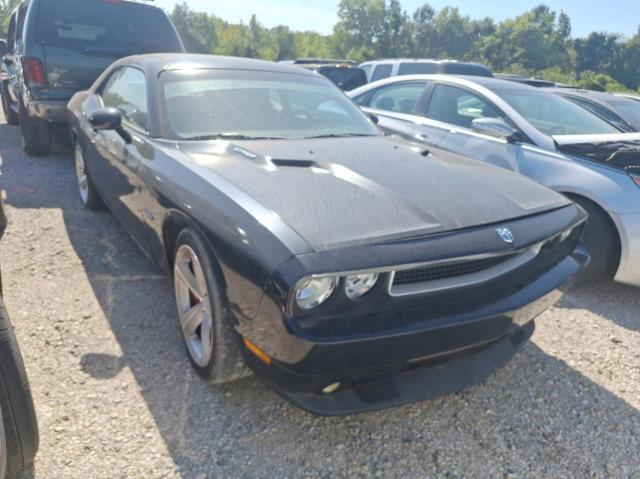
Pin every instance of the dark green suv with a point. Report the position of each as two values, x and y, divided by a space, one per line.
59 47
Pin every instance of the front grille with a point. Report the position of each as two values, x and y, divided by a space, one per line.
447 271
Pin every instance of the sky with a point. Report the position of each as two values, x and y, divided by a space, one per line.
615 16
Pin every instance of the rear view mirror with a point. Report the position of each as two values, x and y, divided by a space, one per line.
106 119
3 47
495 127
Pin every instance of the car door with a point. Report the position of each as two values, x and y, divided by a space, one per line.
397 106
117 161
455 108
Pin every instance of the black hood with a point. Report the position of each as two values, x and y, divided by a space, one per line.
620 150
340 192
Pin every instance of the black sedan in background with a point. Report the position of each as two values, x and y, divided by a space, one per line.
349 270
18 426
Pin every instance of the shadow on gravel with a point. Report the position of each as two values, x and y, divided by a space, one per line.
616 302
537 417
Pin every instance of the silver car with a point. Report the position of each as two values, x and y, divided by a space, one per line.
538 134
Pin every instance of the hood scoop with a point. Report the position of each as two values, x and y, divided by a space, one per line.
295 163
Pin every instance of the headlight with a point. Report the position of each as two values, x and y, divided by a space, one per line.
360 284
312 292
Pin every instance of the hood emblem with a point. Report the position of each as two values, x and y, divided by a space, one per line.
506 235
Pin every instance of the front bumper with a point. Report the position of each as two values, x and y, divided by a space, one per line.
434 359
628 226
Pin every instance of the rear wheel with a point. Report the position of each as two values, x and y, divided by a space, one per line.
20 438
10 115
602 241
206 323
36 133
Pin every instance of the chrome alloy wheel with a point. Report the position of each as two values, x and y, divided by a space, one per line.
194 308
81 176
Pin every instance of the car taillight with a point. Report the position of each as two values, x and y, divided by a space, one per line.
33 72
636 179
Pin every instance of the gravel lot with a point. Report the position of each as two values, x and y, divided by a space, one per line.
116 396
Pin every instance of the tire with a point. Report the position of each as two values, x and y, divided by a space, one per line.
225 363
602 241
36 133
86 190
10 115
18 414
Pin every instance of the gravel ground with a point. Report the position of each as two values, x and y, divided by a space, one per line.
116 397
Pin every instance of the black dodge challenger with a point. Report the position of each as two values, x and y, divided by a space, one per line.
349 270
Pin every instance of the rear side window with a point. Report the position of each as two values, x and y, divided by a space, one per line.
126 90
381 72
346 78
399 98
417 68
99 26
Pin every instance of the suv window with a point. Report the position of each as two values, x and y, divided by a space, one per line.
421 68
459 107
465 69
126 90
109 27
381 72
347 78
399 98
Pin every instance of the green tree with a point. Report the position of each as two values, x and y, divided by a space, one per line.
197 30
6 7
360 30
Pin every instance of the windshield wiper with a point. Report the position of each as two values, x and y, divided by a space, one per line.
232 136
335 135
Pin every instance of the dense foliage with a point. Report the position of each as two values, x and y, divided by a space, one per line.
537 42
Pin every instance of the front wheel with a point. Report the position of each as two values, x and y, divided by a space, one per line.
206 323
88 194
19 430
602 241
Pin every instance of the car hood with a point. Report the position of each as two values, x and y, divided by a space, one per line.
617 150
349 191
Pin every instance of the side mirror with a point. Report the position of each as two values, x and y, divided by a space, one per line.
3 47
375 119
106 119
496 128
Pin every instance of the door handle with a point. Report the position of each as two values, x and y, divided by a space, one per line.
424 139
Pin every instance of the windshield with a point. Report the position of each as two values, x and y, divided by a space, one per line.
105 27
630 108
554 115
244 104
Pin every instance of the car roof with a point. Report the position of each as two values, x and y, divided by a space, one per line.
183 61
421 60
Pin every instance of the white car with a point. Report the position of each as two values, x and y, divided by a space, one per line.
381 69
536 133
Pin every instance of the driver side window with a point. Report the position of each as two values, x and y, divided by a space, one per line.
459 107
402 97
126 90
